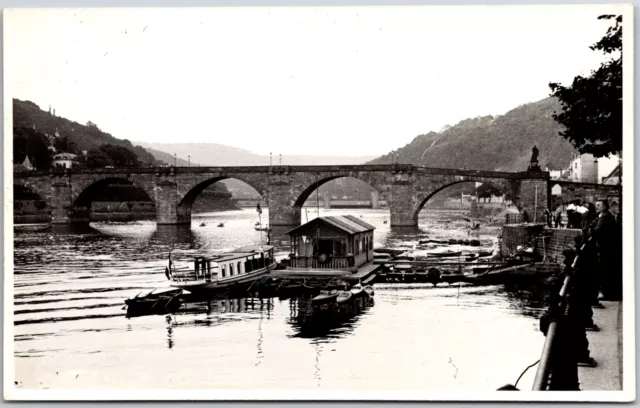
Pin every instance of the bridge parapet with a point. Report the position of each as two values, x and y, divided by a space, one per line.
405 187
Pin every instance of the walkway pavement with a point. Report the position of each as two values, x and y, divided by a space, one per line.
606 348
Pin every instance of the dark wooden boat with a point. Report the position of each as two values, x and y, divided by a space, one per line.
445 254
325 297
357 291
369 291
344 297
154 302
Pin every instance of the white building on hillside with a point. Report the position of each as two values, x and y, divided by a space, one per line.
65 160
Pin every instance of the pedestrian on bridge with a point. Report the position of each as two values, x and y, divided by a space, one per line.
558 216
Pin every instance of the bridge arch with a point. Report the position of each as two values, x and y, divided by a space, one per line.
30 204
83 196
193 191
498 185
320 181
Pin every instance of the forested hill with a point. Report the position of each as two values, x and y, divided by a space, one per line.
27 114
493 143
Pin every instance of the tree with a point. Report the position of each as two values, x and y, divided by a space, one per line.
97 159
63 144
592 106
28 141
120 156
487 191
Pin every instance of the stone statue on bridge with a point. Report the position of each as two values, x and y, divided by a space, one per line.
533 165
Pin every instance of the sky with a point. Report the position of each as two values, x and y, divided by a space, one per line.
307 80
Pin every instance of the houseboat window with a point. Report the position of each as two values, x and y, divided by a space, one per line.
239 269
357 247
223 270
230 269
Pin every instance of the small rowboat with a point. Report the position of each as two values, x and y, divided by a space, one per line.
445 254
325 297
357 290
369 291
471 257
485 252
154 302
344 297
404 268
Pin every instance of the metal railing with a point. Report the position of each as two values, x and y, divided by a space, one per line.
564 325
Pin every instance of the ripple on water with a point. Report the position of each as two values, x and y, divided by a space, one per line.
69 290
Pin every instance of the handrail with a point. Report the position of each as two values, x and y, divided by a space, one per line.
557 312
544 369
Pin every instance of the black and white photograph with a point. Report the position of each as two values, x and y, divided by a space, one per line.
371 203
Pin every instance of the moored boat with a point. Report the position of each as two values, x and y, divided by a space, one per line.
325 297
210 273
357 290
381 258
444 254
369 290
344 296
154 302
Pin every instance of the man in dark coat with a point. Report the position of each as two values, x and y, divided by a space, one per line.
609 243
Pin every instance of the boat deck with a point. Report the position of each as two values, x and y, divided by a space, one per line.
363 273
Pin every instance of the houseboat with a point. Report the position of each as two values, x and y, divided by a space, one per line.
211 273
331 247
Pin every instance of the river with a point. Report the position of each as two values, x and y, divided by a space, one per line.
71 332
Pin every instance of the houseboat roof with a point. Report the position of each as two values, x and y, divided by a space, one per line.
347 223
238 253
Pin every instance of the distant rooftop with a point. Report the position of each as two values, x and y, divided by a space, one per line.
65 156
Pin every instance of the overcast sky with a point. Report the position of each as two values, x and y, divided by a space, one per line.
345 81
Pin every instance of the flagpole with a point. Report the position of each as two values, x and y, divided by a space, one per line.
260 220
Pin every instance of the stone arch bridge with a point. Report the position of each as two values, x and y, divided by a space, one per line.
173 190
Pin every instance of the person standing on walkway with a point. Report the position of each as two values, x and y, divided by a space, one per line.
609 244
558 216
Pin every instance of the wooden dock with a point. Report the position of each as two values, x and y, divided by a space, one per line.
364 274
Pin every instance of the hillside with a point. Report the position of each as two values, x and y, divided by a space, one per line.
86 137
493 143
211 154
28 115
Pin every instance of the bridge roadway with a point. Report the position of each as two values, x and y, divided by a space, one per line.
405 188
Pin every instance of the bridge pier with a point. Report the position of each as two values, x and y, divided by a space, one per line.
375 200
168 208
62 210
284 214
402 205
534 198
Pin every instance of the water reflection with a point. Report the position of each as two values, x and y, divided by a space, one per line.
73 229
529 298
310 321
170 341
227 305
70 283
174 234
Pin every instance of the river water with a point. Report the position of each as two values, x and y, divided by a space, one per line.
70 330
